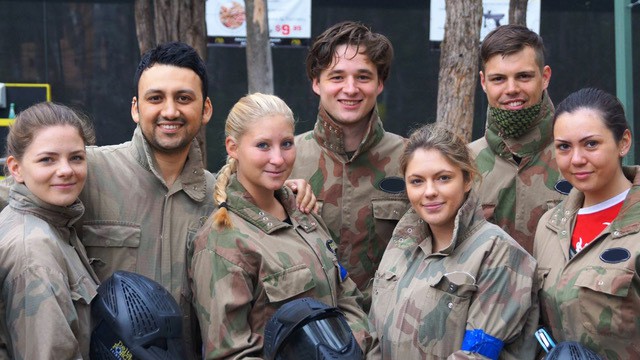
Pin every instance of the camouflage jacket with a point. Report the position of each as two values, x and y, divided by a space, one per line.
594 297
514 196
423 302
47 282
134 222
361 198
240 276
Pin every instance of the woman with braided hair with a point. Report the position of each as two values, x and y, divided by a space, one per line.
258 250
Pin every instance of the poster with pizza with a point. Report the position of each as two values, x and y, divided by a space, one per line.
289 22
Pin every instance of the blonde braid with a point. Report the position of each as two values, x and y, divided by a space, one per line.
244 114
221 218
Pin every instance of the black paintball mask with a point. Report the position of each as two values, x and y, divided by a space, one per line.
571 350
309 329
135 318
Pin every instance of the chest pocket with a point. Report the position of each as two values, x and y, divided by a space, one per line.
447 309
606 306
111 246
386 214
288 283
389 209
383 296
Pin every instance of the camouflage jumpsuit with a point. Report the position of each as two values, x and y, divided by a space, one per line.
361 198
483 283
47 282
594 297
240 276
134 222
515 195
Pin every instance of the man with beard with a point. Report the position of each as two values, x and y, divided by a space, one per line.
145 199
520 178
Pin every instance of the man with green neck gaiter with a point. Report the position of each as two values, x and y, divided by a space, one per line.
520 178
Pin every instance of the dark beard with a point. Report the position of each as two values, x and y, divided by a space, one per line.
182 145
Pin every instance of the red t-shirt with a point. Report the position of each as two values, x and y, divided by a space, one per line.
591 220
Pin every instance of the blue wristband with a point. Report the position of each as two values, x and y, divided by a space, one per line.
479 342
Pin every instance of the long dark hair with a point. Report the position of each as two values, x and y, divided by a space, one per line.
607 105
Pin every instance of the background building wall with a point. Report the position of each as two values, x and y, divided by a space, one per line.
87 50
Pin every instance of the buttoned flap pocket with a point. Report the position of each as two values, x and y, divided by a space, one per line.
111 246
383 297
288 283
386 213
610 281
385 279
110 234
389 209
606 307
460 284
446 308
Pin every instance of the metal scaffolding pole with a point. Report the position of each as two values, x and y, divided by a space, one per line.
624 69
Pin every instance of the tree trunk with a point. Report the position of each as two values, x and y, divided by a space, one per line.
160 21
144 25
458 76
259 63
518 12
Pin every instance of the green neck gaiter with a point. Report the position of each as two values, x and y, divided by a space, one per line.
514 123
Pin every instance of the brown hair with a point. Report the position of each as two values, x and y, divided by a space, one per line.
375 46
451 146
510 39
42 115
244 113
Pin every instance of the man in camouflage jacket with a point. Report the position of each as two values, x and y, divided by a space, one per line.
148 228
594 296
350 161
241 275
145 199
483 284
520 178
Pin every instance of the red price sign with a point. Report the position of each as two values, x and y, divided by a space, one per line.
285 29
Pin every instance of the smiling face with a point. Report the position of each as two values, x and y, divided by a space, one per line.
265 154
170 109
53 166
436 189
588 155
349 87
514 82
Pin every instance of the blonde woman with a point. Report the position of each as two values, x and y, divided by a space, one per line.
258 251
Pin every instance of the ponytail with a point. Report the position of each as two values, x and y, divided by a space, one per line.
221 218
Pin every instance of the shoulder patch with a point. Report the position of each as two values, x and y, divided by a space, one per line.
392 185
615 255
563 187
